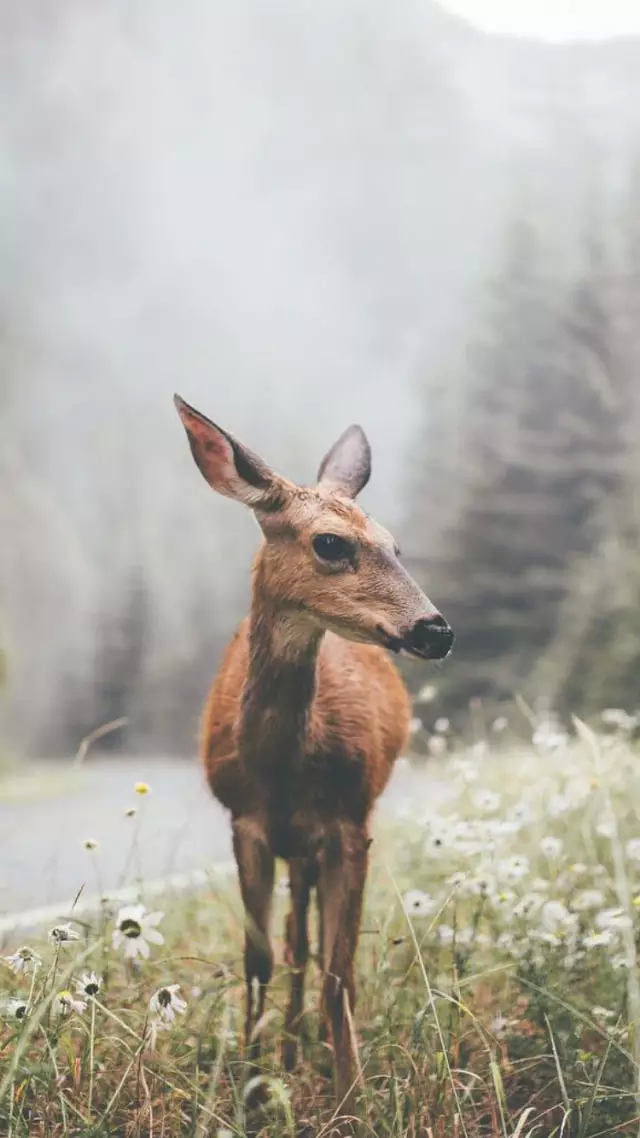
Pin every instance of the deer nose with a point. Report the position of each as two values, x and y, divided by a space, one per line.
430 637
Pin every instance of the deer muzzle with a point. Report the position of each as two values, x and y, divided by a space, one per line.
429 639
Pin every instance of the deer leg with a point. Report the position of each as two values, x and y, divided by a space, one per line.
297 950
342 876
255 868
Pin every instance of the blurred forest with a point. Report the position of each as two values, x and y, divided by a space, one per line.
299 216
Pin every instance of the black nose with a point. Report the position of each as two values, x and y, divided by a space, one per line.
431 638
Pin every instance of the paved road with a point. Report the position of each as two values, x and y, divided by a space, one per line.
181 827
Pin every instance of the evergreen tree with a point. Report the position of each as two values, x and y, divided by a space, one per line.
544 473
495 579
595 659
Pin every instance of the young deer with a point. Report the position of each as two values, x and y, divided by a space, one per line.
307 714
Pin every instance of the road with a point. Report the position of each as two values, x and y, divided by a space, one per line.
46 818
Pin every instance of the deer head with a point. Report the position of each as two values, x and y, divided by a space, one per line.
324 563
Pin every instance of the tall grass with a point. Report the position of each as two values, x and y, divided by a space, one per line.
497 977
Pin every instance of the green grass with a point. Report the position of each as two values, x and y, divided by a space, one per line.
502 1004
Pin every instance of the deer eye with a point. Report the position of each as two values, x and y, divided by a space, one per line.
332 547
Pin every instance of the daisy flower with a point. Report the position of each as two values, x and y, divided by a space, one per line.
598 940
437 744
23 960
514 868
602 1013
633 849
64 1003
62 934
555 918
487 801
613 919
587 899
89 985
135 929
282 888
551 847
14 1008
606 829
165 1003
417 904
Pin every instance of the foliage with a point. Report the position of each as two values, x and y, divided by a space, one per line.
537 564
498 975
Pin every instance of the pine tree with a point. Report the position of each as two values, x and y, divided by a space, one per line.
496 579
595 660
543 465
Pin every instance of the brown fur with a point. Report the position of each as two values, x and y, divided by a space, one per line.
306 718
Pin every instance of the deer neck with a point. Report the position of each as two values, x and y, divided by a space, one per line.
280 685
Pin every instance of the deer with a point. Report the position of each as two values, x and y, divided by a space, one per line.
307 716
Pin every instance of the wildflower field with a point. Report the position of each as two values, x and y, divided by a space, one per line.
498 984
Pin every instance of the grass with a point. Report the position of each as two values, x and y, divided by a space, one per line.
497 978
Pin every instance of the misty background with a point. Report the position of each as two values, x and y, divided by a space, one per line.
299 216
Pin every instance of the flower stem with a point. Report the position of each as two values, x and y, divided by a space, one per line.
91 1042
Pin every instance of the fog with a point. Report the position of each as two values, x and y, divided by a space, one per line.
283 212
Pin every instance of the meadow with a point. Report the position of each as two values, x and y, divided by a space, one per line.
498 984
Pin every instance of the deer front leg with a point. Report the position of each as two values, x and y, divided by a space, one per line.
255 868
343 872
297 955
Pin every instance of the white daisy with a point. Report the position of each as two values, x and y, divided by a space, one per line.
89 985
618 962
164 1003
522 813
514 868
14 1008
500 724
551 847
62 934
633 849
441 725
617 717
587 899
64 1003
540 884
555 918
135 929
598 940
602 1013
436 744
613 919
23 960
487 801
528 905
606 829
418 904
282 888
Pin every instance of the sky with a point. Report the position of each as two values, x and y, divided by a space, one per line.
552 19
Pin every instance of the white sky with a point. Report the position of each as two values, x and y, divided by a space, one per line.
552 19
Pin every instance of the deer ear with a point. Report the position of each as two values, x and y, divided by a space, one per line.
229 467
346 468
